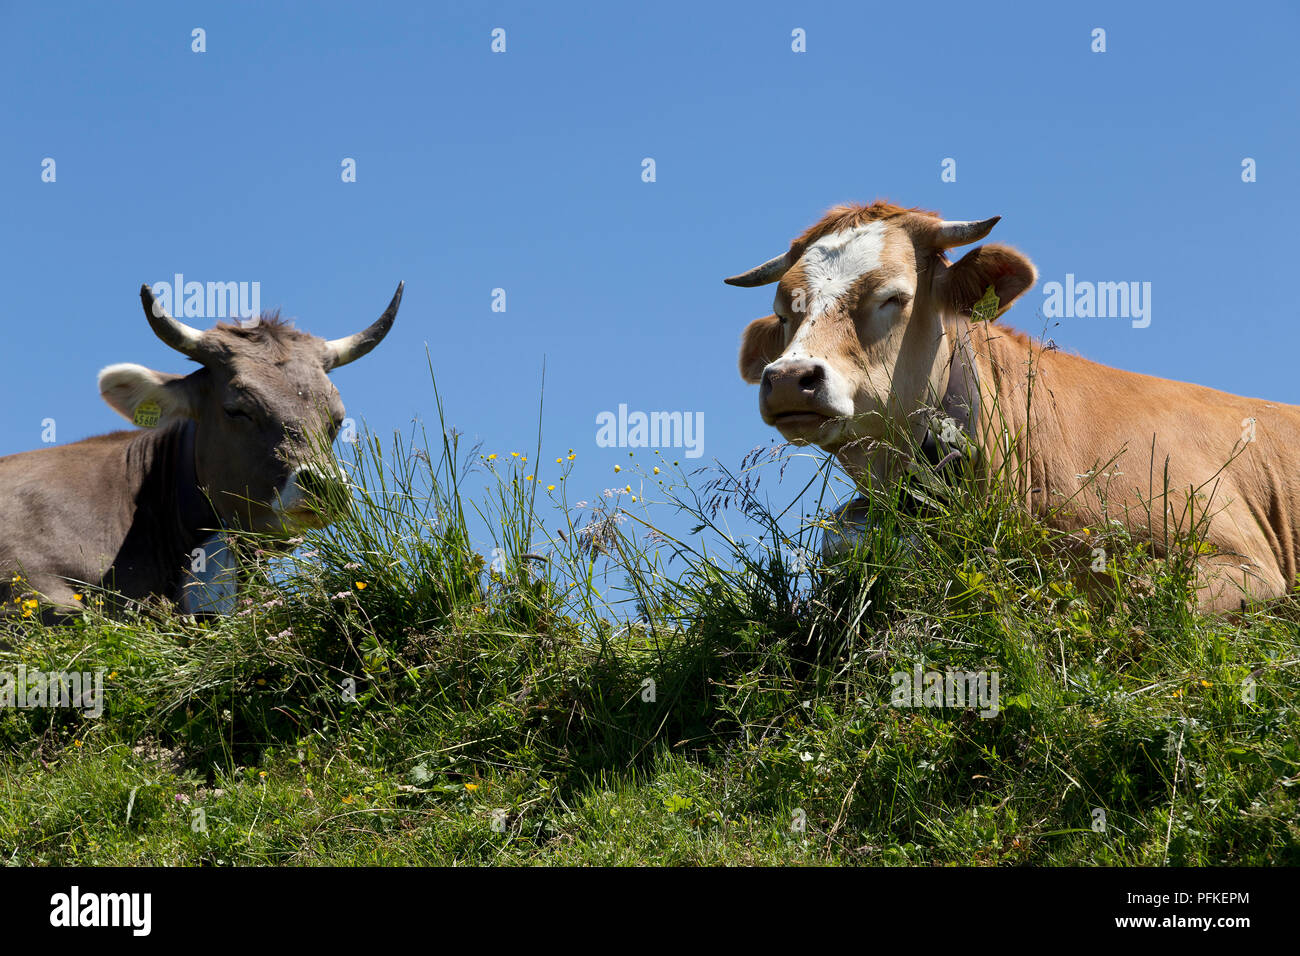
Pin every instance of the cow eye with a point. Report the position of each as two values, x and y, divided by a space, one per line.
237 413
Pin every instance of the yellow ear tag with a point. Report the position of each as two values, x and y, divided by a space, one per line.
147 414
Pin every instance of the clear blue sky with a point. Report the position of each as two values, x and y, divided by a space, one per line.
522 171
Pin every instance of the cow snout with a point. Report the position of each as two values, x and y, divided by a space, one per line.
318 482
793 387
312 493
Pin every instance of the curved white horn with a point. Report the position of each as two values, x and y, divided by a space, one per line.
352 347
178 335
769 271
951 233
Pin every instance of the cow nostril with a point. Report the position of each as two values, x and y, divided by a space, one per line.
812 379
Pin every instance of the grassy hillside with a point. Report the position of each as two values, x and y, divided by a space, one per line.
593 690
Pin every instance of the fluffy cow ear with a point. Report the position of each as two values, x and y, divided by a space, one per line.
763 341
999 266
145 397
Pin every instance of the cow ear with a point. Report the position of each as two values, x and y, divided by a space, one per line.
1007 271
145 397
763 342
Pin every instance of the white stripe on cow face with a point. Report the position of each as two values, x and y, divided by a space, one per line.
831 266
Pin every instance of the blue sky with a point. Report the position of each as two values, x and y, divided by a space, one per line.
522 171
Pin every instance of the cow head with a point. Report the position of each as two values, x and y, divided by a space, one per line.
858 342
265 409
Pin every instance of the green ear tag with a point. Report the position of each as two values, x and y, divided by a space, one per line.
986 309
147 414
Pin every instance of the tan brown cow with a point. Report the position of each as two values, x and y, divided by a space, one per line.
242 442
872 336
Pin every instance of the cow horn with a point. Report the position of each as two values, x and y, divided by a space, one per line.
352 347
951 233
181 337
769 271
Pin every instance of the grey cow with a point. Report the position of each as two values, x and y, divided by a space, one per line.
231 445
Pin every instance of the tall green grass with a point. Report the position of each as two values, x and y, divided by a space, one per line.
524 674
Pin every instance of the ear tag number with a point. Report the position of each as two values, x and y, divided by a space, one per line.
147 414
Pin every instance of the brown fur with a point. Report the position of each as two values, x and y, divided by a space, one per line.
1081 417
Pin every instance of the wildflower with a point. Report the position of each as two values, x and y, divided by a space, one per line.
349 798
76 743
528 477
600 534
287 632
571 457
76 597
361 585
471 787
618 468
628 489
558 460
112 675
514 454
261 682
351 566
550 487
261 774
341 595
182 798
656 469
492 456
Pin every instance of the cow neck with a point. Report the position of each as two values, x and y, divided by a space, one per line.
960 402
192 507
